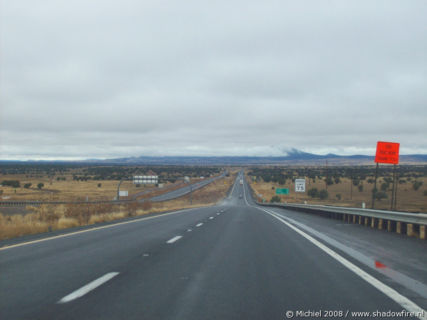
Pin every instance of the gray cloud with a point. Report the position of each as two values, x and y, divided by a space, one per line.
121 78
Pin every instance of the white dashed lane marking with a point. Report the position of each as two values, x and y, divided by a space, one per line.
89 287
199 224
174 239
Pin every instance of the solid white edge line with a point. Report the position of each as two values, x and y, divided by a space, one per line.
388 291
89 287
199 224
174 239
96 228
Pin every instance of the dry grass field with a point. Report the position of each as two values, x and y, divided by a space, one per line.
68 190
55 217
407 198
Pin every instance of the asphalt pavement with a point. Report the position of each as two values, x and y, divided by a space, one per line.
235 260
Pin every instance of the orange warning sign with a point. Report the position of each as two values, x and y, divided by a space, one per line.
387 152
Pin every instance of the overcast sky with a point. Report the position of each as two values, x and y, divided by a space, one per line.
104 79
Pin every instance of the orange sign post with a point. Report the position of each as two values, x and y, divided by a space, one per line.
387 152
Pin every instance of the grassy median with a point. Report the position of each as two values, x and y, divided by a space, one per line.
55 217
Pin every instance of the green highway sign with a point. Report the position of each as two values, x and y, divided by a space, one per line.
282 191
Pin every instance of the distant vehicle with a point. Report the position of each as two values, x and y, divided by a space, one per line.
241 181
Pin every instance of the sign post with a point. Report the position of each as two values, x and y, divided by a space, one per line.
387 152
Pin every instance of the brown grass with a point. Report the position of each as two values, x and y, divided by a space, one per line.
55 217
69 190
407 198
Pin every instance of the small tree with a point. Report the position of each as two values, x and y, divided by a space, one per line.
27 185
40 185
99 185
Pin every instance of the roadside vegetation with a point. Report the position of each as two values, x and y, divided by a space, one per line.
56 217
76 182
344 186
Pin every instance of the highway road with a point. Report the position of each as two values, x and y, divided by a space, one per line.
185 190
235 260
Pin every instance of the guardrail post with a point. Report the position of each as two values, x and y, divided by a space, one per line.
423 232
380 224
389 226
373 223
366 221
354 218
399 227
410 230
360 219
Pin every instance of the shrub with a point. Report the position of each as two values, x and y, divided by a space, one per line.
323 194
380 195
384 186
99 185
360 187
338 195
11 183
27 185
275 199
313 192
40 185
416 185
131 208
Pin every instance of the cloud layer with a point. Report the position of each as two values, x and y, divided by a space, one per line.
123 78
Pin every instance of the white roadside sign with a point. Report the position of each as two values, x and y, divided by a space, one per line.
123 194
299 185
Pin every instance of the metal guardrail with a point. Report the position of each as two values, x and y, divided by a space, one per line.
413 224
39 203
414 218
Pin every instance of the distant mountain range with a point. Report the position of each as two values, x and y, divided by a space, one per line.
294 157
